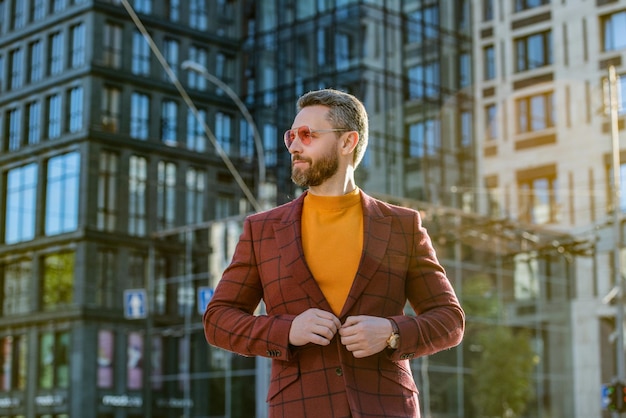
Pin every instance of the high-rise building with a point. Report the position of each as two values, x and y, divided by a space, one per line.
100 156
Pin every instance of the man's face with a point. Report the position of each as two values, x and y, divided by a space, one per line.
314 163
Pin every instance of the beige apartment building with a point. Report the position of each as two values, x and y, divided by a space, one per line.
545 152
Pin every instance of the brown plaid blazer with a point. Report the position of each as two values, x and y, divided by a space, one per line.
398 264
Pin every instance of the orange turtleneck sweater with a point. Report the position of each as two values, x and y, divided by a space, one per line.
332 239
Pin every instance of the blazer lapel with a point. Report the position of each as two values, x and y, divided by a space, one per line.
376 235
288 235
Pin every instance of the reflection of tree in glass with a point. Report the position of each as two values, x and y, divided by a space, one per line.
501 359
58 282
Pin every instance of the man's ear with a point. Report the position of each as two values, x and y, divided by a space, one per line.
349 142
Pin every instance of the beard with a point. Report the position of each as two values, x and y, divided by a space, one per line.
318 172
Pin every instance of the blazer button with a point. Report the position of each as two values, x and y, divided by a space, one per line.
338 371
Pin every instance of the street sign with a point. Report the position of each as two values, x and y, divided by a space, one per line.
604 393
135 303
205 294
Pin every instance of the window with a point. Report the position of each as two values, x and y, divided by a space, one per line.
134 364
16 75
466 129
143 6
39 10
112 46
16 295
247 147
538 198
194 79
54 359
465 69
489 62
166 195
198 14
137 185
535 113
13 362
196 186
35 51
157 363
169 122
137 271
19 14
491 121
223 136
172 10
488 10
140 64
62 194
33 110
424 138
107 191
77 52
424 24
170 53
139 115
614 30
529 4
533 51
75 114
196 137
225 206
106 358
58 281
55 58
21 204
57 5
343 50
53 116
424 81
270 149
464 14
111 109
105 280
14 129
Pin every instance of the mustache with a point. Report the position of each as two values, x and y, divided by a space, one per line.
300 158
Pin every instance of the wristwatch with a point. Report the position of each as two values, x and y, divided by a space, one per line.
394 338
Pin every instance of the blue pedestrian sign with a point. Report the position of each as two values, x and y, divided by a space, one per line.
605 396
205 294
135 303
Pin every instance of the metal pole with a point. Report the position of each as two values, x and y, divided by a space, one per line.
258 141
183 93
619 316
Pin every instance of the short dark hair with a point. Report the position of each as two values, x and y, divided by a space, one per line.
345 111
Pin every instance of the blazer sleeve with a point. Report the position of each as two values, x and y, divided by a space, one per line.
230 321
439 322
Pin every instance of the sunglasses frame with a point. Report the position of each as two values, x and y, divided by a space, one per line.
289 138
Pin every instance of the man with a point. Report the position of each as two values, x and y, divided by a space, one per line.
335 268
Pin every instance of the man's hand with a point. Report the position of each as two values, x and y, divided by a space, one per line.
313 326
365 335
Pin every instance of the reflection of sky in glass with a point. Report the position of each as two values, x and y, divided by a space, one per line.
21 201
62 194
615 32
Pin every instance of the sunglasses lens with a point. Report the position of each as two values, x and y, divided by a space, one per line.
304 132
290 136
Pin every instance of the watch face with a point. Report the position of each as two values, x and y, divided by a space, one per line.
392 342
